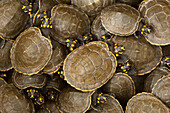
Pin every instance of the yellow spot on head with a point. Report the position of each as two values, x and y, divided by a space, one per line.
72 45
71 49
142 33
117 55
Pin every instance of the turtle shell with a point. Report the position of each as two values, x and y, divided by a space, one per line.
90 66
110 106
162 88
71 100
130 2
46 5
120 19
12 101
122 86
97 29
144 56
63 1
57 58
31 52
68 22
23 81
12 18
146 103
2 82
153 77
92 7
156 14
5 61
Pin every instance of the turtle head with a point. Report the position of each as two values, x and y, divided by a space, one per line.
39 100
46 23
101 98
125 67
32 93
118 49
87 38
165 61
42 15
104 38
71 44
60 72
27 7
51 95
145 30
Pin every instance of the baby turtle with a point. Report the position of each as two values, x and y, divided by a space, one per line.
57 58
122 86
144 56
71 100
92 7
5 61
12 101
110 105
12 19
68 22
156 14
161 89
90 66
120 19
153 77
31 52
23 81
145 103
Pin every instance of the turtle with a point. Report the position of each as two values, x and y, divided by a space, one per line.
68 22
133 3
156 14
97 29
165 62
31 52
12 101
153 77
63 1
39 100
2 82
5 61
122 86
12 19
144 56
23 81
90 66
123 20
110 105
71 100
161 89
48 107
57 59
92 7
146 102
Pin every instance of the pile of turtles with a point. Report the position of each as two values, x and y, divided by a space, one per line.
84 56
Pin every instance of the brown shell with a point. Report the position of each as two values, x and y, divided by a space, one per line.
5 61
68 22
12 101
49 107
156 14
90 66
110 106
92 7
154 77
96 28
122 86
130 2
46 5
162 89
31 52
71 100
2 82
120 19
12 18
57 58
145 103
23 81
144 56
63 1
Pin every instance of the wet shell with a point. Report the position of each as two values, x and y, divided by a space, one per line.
23 81
145 103
154 77
92 7
156 14
2 82
120 19
144 56
12 18
12 101
90 66
162 89
73 101
122 86
57 58
97 29
68 22
5 61
31 52
110 106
